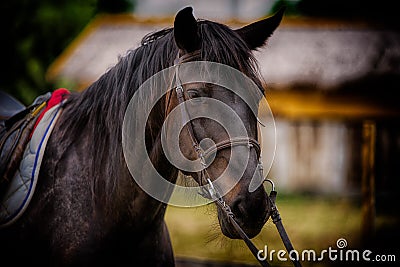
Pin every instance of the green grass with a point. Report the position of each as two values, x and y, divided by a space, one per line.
311 222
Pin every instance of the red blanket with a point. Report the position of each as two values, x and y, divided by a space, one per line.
56 97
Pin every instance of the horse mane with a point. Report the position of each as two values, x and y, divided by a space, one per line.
98 111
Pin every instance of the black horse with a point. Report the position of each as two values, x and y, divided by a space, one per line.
87 210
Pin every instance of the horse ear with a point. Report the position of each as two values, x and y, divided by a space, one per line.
257 33
186 31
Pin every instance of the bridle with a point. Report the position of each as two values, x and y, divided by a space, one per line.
204 178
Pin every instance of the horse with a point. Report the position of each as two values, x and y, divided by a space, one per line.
87 210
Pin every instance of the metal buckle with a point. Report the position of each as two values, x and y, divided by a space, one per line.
179 89
272 183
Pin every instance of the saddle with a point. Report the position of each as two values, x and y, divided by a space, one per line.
16 125
23 140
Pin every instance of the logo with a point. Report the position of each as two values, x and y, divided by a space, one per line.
341 254
341 243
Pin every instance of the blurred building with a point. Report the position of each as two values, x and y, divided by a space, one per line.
211 9
324 80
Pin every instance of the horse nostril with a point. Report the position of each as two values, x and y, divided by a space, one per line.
238 209
249 213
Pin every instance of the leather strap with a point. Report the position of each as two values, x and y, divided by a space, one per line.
180 93
205 178
236 141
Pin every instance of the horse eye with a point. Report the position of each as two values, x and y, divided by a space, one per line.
193 94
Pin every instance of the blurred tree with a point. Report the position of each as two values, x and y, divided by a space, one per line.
290 5
368 10
111 6
382 12
34 33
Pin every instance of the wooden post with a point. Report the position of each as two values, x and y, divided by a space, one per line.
368 180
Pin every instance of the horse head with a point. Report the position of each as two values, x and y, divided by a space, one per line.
200 40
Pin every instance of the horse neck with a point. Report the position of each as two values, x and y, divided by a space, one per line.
153 210
108 113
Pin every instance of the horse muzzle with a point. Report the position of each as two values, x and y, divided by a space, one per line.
250 213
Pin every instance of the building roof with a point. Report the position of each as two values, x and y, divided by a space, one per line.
320 54
316 54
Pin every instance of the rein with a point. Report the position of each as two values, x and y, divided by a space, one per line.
204 177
